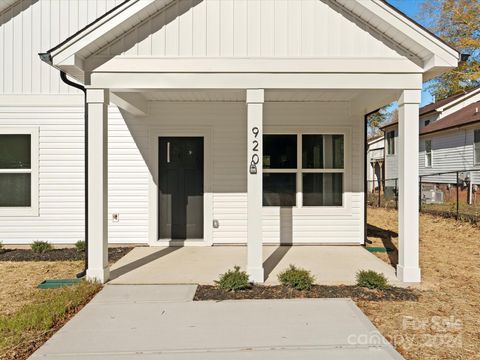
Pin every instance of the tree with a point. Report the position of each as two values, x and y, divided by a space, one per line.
378 119
456 22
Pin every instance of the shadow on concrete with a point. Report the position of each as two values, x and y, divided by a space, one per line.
143 261
274 259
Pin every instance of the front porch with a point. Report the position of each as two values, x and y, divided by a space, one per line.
331 265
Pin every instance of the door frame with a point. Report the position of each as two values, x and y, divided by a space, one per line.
154 134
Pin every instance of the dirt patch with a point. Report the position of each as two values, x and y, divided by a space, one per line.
68 254
210 292
445 321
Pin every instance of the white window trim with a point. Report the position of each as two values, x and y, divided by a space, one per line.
431 154
34 138
476 162
306 130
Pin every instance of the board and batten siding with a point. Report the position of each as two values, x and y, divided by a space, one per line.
33 26
249 28
61 178
226 121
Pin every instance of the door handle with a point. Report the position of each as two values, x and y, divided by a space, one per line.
168 152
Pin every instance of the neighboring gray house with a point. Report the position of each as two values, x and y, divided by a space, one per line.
375 162
449 140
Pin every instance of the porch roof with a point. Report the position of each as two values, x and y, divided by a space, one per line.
431 54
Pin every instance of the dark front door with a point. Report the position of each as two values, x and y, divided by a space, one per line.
181 188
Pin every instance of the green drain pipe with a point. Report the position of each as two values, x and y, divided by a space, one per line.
379 249
57 283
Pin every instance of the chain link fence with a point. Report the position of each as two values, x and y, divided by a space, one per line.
454 194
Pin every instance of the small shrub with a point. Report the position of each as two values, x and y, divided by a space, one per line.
372 280
296 278
80 245
233 280
1 247
40 247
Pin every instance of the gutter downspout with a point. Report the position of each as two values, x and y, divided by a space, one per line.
47 58
64 78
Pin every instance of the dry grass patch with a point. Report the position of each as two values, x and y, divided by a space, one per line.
19 280
450 290
29 316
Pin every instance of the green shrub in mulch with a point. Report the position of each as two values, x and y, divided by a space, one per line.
296 278
372 280
40 247
233 280
1 247
80 245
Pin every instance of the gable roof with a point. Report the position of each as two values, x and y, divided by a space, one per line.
379 16
466 116
439 105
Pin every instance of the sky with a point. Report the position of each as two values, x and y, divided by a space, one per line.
412 8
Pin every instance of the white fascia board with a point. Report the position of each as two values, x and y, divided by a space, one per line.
254 65
377 81
442 55
99 29
459 100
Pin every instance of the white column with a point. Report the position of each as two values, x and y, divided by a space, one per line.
408 268
255 99
97 100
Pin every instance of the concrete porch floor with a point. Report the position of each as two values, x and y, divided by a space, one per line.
331 265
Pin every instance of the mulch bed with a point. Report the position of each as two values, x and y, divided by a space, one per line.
68 254
210 292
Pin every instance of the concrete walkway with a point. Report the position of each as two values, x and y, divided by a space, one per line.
202 265
161 322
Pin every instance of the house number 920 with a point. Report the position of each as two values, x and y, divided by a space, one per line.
255 158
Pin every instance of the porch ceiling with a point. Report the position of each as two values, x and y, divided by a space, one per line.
239 95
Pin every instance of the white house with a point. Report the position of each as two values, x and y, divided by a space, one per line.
375 163
449 139
209 122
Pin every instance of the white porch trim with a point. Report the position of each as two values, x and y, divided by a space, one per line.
408 269
255 99
98 270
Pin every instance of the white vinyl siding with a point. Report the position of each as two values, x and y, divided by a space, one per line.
61 178
30 27
226 121
453 150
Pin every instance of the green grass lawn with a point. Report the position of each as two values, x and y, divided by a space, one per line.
24 330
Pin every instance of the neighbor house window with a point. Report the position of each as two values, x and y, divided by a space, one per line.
476 146
308 164
428 153
18 171
391 142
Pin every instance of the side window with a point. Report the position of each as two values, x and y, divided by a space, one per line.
476 146
18 172
391 142
428 153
